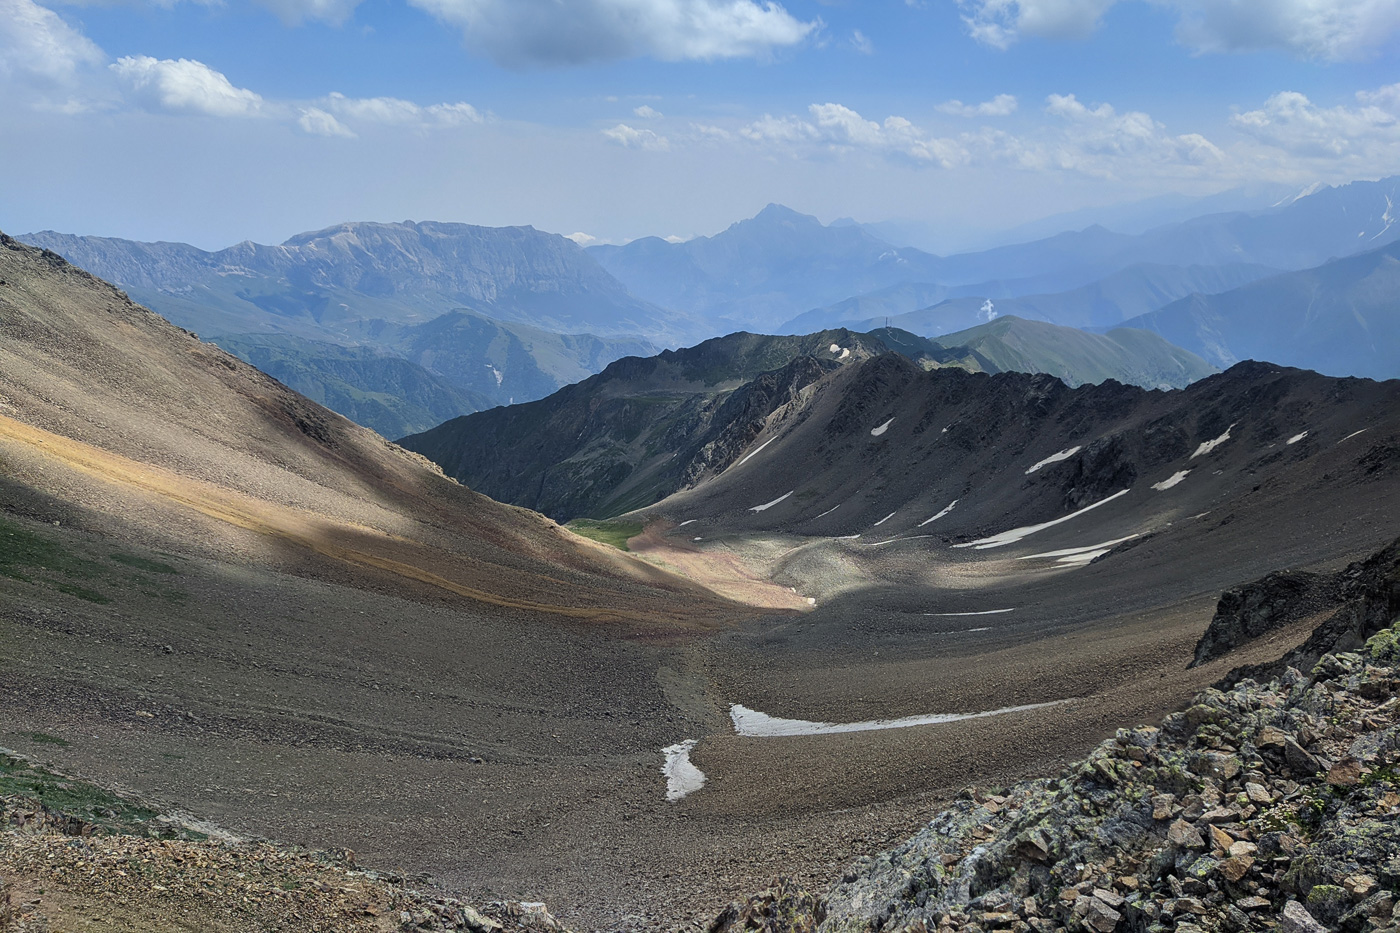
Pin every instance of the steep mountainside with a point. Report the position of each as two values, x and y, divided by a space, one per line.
1136 357
1342 318
384 393
402 273
640 429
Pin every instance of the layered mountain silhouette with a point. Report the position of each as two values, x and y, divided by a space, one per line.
767 270
1341 318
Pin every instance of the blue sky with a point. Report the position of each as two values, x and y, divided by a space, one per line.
213 122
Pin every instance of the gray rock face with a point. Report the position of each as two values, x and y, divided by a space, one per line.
1246 612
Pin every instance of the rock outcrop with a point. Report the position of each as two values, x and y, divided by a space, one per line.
1263 806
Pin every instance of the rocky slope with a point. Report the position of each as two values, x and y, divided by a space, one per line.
1263 806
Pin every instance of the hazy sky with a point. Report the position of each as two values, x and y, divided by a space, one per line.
213 122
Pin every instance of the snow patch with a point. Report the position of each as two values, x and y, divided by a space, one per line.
768 505
1207 446
985 612
686 522
828 511
835 348
894 540
1054 458
1016 534
876 432
845 352
755 451
1079 556
1296 438
682 777
750 722
1353 434
885 519
940 514
1171 481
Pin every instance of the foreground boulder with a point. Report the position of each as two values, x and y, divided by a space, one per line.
1266 806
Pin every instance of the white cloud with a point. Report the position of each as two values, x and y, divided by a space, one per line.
646 112
862 43
392 111
35 42
185 85
1100 141
1368 134
548 32
632 138
582 239
1327 29
1002 105
317 122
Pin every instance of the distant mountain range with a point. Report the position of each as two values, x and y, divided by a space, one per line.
1341 318
645 428
762 272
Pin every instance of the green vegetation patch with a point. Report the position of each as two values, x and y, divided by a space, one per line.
141 563
608 532
34 557
108 812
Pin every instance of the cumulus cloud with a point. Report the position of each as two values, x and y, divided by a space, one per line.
392 111
547 32
317 122
1003 105
1368 133
184 85
1326 29
35 42
633 138
646 112
1100 141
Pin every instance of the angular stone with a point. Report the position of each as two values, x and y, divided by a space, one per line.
1296 919
1258 793
1162 806
1185 836
1345 773
1300 759
1271 736
1242 848
1101 917
1221 839
1252 902
1236 867
1110 898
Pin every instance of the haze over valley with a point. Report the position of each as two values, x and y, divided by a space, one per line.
720 507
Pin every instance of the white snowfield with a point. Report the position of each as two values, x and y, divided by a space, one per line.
682 777
1079 556
1296 438
985 612
756 450
1054 458
752 723
829 511
897 540
940 514
1016 534
1351 435
1171 481
835 348
686 522
876 432
845 352
1207 446
768 505
885 519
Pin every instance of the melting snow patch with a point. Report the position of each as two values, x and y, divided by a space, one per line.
985 612
829 511
751 722
768 505
1171 481
835 348
845 352
1207 446
686 522
682 777
885 519
893 540
1079 556
1054 458
1016 534
811 600
1350 436
940 514
846 538
876 432
760 447
1296 438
